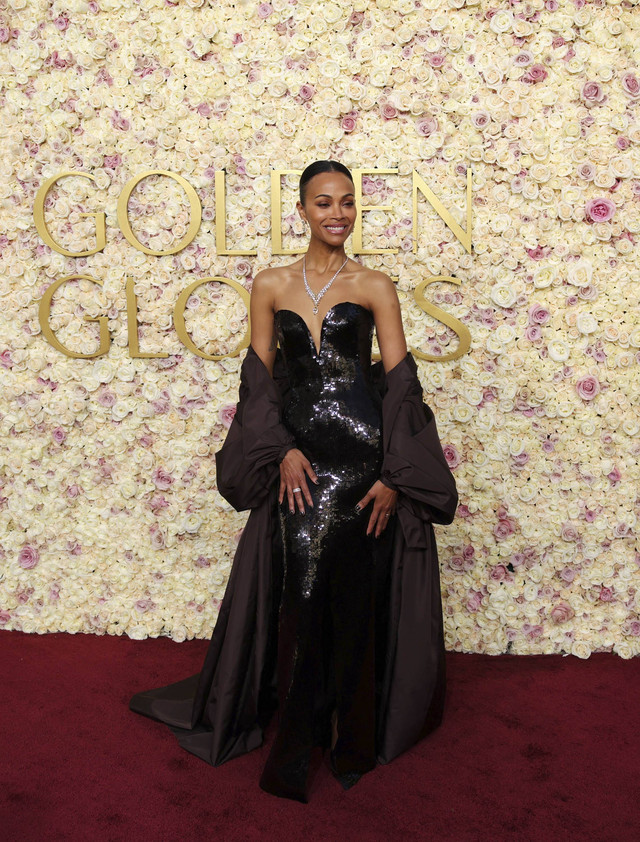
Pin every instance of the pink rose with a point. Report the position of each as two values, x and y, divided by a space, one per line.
58 435
614 476
621 530
523 58
436 60
348 123
533 333
536 73
5 359
162 479
4 617
568 574
157 538
504 528
227 414
28 557
532 632
388 111
606 594
307 92
631 85
586 171
588 387
144 605
451 455
538 315
481 119
592 93
561 613
600 210
264 10
569 532
427 126
474 601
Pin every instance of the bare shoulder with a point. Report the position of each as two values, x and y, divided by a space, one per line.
377 287
266 279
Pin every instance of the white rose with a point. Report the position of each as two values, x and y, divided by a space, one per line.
503 295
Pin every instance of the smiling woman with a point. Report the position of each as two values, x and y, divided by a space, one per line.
344 677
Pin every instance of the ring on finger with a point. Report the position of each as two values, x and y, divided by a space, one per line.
296 489
387 514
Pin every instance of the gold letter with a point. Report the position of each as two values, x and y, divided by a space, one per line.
276 212
123 217
221 217
41 225
463 236
132 326
456 325
44 311
357 228
181 328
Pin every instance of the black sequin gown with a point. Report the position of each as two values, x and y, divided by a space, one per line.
333 573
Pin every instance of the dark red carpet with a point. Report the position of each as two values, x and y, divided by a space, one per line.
532 748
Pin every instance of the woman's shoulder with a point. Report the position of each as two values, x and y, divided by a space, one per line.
376 285
271 278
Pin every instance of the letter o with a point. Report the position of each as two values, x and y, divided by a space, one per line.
181 328
123 212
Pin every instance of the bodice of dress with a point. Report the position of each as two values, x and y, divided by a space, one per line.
332 407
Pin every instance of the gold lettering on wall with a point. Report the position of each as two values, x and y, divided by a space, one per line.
461 235
195 213
41 225
132 326
276 212
221 217
181 327
456 325
44 313
357 228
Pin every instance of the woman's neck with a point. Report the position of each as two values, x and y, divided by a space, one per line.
321 257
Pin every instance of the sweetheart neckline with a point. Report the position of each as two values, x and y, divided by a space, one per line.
324 318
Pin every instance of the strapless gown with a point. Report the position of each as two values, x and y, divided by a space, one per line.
335 576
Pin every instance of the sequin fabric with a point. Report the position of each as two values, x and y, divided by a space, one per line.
326 643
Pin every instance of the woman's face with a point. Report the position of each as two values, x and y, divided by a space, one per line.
329 207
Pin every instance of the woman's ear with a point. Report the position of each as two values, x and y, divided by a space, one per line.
300 210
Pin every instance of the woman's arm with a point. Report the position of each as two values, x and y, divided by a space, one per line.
294 467
384 304
263 337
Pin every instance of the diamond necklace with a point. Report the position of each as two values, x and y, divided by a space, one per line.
316 298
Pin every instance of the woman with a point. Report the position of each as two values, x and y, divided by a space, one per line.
345 642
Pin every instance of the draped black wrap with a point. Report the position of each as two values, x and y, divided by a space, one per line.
220 713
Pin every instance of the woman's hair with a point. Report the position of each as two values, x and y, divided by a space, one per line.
318 167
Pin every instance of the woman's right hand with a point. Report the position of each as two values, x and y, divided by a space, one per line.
294 469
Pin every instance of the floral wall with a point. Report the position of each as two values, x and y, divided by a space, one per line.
110 521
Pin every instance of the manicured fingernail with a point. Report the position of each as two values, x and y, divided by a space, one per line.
293 511
357 508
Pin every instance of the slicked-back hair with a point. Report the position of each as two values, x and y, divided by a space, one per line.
315 169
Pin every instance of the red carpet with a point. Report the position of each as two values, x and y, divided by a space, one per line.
532 749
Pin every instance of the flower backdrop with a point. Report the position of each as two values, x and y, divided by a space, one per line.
110 521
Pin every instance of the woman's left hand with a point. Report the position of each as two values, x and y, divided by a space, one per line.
384 505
